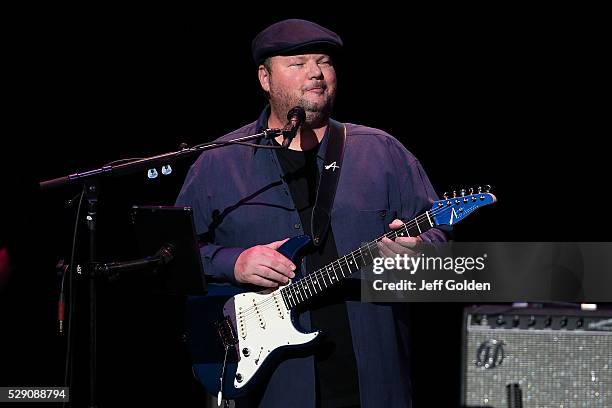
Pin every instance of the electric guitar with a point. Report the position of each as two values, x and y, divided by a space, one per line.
235 336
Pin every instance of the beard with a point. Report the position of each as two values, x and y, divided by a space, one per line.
317 113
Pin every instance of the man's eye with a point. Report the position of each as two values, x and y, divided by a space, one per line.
325 62
297 64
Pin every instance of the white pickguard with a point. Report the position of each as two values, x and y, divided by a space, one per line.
263 324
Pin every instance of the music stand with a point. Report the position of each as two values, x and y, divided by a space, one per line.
158 226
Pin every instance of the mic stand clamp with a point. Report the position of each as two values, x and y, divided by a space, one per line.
112 270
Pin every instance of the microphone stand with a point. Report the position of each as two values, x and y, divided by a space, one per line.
90 181
136 165
91 192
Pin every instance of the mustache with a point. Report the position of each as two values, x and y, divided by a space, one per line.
313 86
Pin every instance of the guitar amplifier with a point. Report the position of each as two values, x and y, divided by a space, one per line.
540 357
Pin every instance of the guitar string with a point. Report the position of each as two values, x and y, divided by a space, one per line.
247 314
357 253
319 273
264 305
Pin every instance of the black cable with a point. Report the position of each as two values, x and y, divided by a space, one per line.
71 293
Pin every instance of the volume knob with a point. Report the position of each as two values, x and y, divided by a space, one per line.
532 321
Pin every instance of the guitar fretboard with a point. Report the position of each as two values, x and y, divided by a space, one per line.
316 282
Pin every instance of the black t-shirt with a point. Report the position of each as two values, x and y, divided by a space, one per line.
336 368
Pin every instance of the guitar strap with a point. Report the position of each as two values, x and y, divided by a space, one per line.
328 181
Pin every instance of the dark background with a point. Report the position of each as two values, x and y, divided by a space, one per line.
509 98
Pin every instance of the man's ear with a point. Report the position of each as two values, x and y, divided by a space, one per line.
264 78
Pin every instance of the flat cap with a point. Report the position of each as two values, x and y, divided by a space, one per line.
289 36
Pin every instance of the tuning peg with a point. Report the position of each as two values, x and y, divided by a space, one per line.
446 195
454 194
471 190
463 192
487 188
479 189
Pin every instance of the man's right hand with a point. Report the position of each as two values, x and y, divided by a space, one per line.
262 265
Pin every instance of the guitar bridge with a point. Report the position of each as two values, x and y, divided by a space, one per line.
225 331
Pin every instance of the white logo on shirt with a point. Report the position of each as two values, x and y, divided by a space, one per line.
332 166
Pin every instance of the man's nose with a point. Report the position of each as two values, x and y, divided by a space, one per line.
314 71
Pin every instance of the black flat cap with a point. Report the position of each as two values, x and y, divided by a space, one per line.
289 36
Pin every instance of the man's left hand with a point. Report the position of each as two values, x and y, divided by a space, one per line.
401 245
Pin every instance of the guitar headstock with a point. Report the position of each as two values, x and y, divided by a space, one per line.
453 209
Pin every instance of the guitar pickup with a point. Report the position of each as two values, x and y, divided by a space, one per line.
226 333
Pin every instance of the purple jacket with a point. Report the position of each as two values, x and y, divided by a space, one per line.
240 200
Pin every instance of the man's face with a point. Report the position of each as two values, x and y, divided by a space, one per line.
307 80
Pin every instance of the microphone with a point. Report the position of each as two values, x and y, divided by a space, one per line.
296 118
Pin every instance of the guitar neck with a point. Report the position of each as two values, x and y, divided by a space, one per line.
302 290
